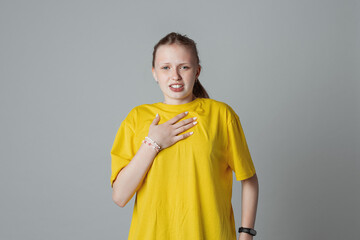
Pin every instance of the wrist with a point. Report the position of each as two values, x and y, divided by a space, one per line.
151 143
149 148
245 236
247 231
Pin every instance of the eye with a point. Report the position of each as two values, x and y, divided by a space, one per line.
165 67
186 67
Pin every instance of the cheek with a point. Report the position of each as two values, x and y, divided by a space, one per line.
163 85
162 76
191 75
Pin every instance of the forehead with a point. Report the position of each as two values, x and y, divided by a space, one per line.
173 53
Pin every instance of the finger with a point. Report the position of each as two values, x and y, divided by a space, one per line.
184 122
177 117
183 136
184 128
156 119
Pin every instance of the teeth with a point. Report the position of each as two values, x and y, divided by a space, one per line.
176 86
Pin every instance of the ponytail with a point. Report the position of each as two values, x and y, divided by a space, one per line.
199 91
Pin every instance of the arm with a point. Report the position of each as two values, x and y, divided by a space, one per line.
130 178
250 192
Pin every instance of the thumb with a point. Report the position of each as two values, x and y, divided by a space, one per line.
156 119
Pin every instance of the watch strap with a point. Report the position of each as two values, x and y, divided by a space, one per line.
250 231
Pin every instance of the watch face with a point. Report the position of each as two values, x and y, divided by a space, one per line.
253 232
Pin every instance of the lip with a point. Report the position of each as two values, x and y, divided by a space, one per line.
176 89
176 84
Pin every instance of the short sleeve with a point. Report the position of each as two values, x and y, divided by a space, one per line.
238 154
122 150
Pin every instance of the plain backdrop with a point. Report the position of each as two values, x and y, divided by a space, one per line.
71 71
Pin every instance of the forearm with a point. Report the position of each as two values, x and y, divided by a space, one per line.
130 178
250 193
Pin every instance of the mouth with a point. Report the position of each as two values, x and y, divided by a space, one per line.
176 87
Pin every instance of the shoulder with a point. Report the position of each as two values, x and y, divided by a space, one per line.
225 109
131 116
215 103
131 119
136 113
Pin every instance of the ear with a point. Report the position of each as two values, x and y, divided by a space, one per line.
198 71
154 73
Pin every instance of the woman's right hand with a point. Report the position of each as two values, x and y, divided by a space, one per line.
166 134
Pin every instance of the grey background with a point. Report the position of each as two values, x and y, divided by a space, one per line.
71 71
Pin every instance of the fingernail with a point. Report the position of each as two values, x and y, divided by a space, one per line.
157 114
194 123
191 133
186 112
194 118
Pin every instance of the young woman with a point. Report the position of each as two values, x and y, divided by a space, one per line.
178 156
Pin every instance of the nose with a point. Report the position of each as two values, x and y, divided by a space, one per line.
175 75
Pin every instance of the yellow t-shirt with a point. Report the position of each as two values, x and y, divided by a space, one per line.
187 191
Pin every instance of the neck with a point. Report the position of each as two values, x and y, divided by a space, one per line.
193 98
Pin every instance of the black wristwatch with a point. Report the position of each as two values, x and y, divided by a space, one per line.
248 230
